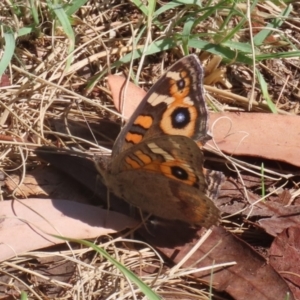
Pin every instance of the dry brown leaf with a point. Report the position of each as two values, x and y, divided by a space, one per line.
269 136
4 80
133 92
284 256
283 217
251 278
232 199
25 224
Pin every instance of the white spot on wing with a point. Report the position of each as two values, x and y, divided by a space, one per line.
188 101
173 75
175 144
156 99
157 150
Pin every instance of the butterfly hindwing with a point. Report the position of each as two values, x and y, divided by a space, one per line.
169 167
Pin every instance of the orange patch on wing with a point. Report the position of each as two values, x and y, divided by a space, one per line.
180 94
166 170
146 159
132 163
134 138
154 166
144 121
141 160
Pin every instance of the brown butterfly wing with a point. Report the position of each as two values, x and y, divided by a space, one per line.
163 176
155 164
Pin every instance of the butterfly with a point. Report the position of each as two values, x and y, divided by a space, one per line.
156 164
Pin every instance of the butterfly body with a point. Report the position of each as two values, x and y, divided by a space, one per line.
156 164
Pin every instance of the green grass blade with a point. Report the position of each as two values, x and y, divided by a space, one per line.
264 90
174 4
226 53
289 54
24 296
165 8
15 8
189 2
65 23
187 28
231 13
276 23
151 7
243 47
26 30
73 6
141 6
208 12
153 48
130 275
9 50
34 12
149 12
169 43
240 24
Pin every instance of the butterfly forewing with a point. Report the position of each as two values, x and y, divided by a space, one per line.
175 105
